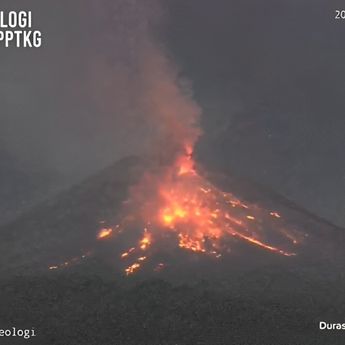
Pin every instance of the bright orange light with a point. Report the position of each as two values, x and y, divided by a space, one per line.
125 254
131 269
145 241
168 219
104 233
266 246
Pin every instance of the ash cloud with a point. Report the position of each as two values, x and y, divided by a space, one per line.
100 88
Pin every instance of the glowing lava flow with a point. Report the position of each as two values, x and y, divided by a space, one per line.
200 214
179 201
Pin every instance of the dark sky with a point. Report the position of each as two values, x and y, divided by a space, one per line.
269 75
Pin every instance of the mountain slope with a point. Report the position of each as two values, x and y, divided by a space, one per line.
250 296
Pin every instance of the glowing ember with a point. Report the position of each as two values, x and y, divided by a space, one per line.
145 241
104 233
131 269
125 254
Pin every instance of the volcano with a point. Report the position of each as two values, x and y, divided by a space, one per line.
137 210
122 251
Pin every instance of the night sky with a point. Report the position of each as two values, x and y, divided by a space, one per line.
269 76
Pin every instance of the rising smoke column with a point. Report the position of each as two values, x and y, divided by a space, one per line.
140 69
169 109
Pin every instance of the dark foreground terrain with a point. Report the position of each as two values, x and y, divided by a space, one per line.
71 308
252 297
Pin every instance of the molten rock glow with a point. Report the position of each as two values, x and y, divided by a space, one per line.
176 201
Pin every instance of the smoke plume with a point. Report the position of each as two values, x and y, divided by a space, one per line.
161 99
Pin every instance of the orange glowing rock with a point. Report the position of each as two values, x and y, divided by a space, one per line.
145 241
131 269
125 254
104 233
